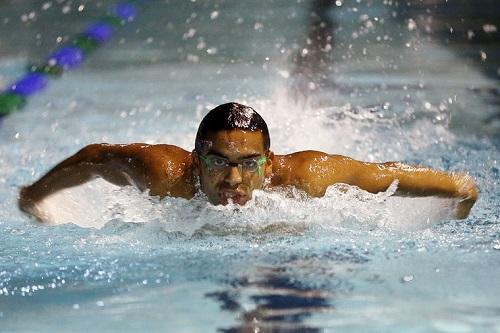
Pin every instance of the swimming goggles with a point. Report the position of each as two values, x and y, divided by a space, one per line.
217 163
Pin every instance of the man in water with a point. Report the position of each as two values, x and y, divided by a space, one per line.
231 159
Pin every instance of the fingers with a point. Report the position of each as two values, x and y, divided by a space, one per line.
30 206
466 187
467 194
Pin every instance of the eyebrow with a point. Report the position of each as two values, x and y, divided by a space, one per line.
211 152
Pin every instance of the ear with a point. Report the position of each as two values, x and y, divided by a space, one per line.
196 163
268 170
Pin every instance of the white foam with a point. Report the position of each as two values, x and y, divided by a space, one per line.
286 210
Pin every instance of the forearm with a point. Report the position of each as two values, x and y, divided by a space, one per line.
119 164
71 172
421 181
56 180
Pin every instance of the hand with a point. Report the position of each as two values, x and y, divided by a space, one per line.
466 192
30 206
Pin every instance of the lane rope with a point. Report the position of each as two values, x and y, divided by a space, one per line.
68 57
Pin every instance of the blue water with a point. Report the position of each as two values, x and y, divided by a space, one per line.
116 259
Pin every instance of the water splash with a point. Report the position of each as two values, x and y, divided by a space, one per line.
285 210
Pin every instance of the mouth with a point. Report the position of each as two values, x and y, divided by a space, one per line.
227 195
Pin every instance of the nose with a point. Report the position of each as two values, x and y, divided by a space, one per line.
233 176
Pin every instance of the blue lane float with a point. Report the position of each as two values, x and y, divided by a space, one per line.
68 57
28 85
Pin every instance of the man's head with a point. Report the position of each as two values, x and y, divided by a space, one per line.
232 153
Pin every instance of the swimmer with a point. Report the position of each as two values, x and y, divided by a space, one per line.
231 159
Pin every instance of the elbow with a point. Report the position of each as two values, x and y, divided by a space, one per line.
91 153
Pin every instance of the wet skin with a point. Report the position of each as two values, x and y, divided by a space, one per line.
232 183
167 170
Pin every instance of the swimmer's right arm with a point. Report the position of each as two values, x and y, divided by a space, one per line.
96 160
119 164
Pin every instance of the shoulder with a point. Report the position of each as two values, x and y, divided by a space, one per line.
162 151
309 170
161 161
140 151
167 168
307 160
161 156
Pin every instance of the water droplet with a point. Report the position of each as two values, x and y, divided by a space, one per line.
189 34
192 58
46 5
407 278
489 28
412 25
484 56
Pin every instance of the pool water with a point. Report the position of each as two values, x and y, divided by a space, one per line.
116 259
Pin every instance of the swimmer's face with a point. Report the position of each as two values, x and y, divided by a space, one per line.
232 164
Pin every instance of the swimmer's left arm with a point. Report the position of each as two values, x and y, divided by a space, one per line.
315 171
415 181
